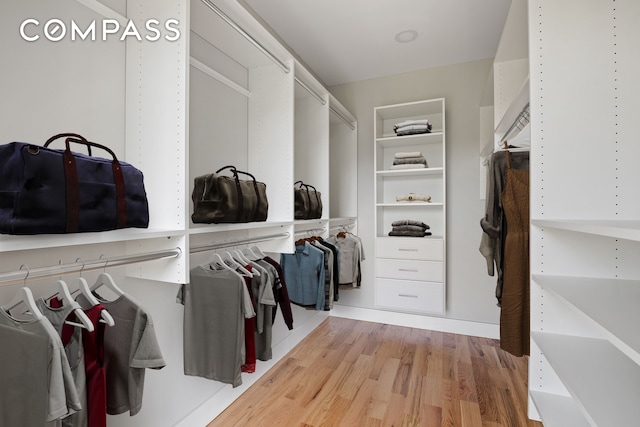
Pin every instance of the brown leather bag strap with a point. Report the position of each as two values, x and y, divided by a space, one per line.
79 138
254 214
315 192
72 191
121 195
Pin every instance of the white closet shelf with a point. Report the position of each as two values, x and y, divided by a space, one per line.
318 221
558 411
410 109
619 229
598 376
407 204
408 140
10 243
340 221
216 228
410 172
613 303
395 238
218 76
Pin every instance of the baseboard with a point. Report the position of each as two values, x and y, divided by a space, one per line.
442 324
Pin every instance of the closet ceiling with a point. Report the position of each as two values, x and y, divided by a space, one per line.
350 40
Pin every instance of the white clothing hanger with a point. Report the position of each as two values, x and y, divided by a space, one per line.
236 265
65 296
258 252
240 257
83 287
250 254
24 296
105 279
217 260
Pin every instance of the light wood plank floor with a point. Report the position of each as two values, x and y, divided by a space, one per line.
353 373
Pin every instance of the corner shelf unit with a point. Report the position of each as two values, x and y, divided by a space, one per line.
585 227
410 271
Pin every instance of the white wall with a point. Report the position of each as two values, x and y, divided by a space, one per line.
470 291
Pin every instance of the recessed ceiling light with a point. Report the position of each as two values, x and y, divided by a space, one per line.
406 36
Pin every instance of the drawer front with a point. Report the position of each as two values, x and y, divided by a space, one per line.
410 296
430 271
410 248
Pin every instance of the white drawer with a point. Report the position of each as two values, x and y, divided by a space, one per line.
410 248
430 271
403 295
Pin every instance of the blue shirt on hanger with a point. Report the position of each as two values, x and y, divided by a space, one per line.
304 274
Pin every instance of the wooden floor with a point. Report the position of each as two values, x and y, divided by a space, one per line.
353 373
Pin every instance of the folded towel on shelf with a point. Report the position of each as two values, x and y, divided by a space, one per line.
411 122
411 161
410 222
403 131
423 128
413 197
410 233
414 228
410 127
407 154
409 166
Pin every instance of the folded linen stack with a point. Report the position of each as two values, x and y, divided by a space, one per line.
413 197
409 160
409 228
412 127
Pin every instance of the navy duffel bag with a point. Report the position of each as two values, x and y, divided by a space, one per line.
51 191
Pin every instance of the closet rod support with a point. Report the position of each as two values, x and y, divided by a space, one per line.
76 267
214 246
246 35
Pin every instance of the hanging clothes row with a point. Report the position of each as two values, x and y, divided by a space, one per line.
230 307
318 266
351 255
64 365
505 244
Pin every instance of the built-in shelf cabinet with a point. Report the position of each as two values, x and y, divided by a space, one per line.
410 271
584 368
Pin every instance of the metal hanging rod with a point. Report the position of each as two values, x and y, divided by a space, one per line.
341 117
310 230
311 91
214 246
323 102
246 35
23 275
519 123
343 226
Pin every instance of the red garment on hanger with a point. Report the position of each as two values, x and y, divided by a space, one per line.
93 346
249 365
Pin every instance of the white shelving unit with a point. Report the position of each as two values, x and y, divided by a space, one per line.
225 93
585 289
410 271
